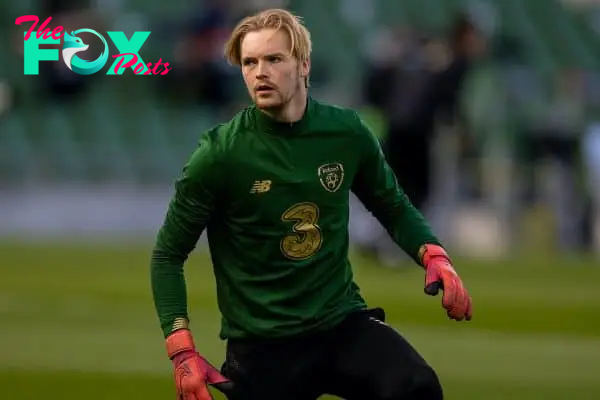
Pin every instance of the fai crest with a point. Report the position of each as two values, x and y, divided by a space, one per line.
331 176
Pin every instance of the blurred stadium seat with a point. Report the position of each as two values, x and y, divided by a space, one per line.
135 145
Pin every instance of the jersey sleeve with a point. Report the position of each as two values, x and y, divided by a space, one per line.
189 211
376 186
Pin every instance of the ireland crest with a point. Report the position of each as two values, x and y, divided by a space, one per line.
331 176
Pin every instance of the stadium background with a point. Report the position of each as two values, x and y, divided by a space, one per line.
87 165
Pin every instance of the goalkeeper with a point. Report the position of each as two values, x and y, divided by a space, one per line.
271 188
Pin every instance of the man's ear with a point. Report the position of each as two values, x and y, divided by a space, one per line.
305 68
304 72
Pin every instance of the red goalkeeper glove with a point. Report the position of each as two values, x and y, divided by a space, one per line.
192 372
440 274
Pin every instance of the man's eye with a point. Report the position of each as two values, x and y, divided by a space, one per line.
249 62
275 59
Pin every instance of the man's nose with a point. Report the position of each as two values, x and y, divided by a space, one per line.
262 70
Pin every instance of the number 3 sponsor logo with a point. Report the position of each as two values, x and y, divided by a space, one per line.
306 237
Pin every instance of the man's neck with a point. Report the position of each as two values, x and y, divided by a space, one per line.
292 111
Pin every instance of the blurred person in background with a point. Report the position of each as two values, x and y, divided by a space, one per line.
417 82
200 74
591 158
384 52
554 150
425 88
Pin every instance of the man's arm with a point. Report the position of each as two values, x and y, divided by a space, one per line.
376 186
189 212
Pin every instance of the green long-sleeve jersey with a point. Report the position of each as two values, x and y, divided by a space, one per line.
273 198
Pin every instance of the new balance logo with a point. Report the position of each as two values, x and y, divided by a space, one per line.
261 186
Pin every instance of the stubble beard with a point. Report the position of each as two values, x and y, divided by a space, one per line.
275 108
275 101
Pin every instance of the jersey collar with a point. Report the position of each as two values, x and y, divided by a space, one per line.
266 124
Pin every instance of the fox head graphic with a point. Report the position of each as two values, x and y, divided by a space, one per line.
72 44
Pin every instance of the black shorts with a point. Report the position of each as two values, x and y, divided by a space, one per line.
362 359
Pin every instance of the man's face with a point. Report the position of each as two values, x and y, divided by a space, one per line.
272 75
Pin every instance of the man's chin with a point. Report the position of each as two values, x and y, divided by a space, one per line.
267 104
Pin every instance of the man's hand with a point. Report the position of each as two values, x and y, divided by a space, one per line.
191 371
441 275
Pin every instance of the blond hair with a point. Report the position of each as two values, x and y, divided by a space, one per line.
275 18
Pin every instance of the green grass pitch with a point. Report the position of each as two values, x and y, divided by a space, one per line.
78 322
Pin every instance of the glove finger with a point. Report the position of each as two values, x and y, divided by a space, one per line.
469 312
432 275
460 306
179 385
202 394
450 295
214 376
467 302
433 289
454 314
